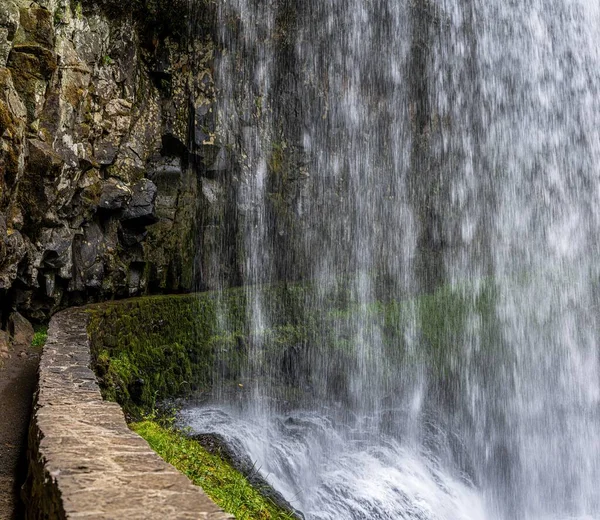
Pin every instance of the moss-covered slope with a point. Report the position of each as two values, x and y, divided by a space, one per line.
148 349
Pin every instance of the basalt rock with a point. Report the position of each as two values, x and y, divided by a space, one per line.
101 103
21 331
117 178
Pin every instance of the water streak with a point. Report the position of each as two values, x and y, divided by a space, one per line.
443 154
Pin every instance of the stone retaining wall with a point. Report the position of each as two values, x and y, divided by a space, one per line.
84 462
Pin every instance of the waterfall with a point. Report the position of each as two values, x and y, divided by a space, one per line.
434 165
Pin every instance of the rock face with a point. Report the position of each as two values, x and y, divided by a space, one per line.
105 129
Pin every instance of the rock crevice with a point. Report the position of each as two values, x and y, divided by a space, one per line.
100 107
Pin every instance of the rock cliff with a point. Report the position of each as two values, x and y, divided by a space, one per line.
106 131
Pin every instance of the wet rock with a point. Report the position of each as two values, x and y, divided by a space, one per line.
82 119
215 443
115 195
141 208
165 171
9 23
15 250
36 27
130 236
43 160
57 251
89 251
50 284
118 107
3 237
106 150
220 163
21 331
32 67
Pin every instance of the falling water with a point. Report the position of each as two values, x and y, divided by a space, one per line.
441 159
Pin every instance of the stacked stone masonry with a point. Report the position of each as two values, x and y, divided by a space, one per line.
84 461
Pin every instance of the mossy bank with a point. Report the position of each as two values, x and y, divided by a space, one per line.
149 349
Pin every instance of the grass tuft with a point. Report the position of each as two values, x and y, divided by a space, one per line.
40 336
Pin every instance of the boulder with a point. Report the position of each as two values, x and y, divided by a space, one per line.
20 330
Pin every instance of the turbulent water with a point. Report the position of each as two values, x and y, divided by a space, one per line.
443 147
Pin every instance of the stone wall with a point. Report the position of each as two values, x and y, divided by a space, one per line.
84 462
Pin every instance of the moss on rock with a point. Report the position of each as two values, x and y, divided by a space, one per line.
149 349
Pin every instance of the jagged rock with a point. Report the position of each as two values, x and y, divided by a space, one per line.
36 27
118 107
20 329
167 168
85 100
90 257
130 236
115 196
9 23
56 252
106 150
93 240
141 208
43 160
3 237
216 159
15 249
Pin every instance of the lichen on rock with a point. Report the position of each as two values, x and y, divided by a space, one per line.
96 100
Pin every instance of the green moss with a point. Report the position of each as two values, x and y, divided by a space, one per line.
226 486
149 349
40 336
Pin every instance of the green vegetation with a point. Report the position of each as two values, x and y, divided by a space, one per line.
148 349
145 349
40 336
59 16
226 486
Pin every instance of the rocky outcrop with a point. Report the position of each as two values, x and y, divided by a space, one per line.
105 137
18 336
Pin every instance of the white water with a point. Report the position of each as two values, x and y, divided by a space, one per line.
452 144
329 471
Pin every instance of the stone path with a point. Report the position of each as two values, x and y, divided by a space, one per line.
85 461
18 377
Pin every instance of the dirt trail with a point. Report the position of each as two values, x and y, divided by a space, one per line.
18 377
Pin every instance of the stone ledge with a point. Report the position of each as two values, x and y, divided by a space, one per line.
84 462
